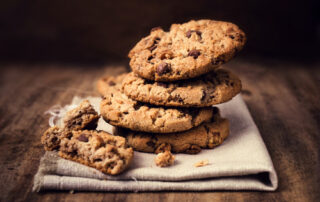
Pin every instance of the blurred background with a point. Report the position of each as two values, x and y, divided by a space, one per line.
97 31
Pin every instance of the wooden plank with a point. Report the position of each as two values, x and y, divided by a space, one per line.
283 99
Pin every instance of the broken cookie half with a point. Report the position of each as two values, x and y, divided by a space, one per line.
77 140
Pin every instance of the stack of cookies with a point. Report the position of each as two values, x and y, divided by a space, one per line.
165 104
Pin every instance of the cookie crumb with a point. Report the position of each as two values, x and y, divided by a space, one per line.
201 163
164 159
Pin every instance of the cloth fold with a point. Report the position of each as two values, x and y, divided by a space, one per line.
242 162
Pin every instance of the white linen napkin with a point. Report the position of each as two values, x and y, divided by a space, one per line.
242 162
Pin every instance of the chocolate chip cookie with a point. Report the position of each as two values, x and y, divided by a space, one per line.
107 153
206 136
119 110
80 118
188 50
213 88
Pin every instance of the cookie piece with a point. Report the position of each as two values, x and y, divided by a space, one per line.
164 159
206 136
107 153
82 117
51 138
119 110
188 50
213 88
201 163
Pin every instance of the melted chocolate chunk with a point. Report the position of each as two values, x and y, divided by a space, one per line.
152 47
163 68
83 138
150 57
155 44
188 34
194 53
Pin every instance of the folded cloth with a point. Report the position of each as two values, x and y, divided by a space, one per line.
242 162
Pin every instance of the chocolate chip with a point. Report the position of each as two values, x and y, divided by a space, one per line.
155 28
54 140
150 57
152 47
155 44
194 53
188 34
83 138
69 135
231 36
112 83
73 153
198 32
91 125
177 98
163 68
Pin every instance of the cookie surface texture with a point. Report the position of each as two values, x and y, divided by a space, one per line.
213 88
107 153
119 110
188 50
206 136
80 118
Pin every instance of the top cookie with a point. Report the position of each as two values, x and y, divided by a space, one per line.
186 51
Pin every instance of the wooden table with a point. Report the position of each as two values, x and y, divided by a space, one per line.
283 98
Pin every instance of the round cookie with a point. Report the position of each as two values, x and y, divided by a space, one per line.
206 136
213 88
119 110
188 50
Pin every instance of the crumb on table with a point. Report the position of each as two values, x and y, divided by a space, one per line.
164 159
201 163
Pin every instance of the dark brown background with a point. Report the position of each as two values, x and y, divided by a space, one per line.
96 31
53 50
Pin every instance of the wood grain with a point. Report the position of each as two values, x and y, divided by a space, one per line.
282 97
